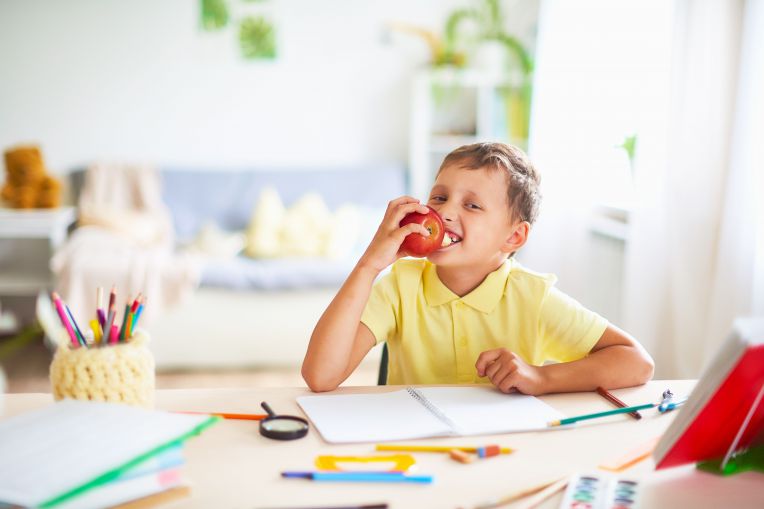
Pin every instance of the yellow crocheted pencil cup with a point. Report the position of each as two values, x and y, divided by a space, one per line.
120 373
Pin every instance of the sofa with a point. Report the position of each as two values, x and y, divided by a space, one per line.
258 312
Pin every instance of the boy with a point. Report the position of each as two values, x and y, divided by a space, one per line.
469 313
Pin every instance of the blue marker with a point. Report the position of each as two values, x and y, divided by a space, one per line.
359 476
671 405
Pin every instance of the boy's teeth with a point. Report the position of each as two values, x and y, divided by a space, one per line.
450 238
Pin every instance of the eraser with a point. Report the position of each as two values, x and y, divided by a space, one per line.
461 456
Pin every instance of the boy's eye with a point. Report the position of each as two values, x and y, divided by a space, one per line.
474 206
438 198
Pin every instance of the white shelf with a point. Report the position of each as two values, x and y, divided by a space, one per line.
469 78
24 268
36 223
24 284
451 108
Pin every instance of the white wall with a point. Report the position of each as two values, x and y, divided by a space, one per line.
136 80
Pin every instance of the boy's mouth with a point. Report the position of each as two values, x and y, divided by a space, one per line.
450 238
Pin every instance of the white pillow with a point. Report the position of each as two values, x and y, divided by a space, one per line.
308 228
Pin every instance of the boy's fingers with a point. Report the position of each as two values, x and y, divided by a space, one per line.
493 369
509 382
393 204
402 232
498 374
485 358
407 208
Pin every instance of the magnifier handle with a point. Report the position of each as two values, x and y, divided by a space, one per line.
267 408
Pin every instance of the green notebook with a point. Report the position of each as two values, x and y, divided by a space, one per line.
65 449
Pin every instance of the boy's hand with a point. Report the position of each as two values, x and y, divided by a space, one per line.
509 372
385 247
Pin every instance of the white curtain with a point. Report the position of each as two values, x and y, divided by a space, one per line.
687 77
600 73
695 258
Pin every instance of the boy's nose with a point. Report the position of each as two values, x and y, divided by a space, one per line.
447 212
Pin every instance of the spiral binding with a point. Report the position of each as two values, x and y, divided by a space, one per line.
421 398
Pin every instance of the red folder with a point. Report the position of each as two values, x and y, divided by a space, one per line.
726 409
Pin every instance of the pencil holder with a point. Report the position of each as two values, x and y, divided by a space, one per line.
119 373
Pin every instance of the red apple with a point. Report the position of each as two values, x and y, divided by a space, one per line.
416 244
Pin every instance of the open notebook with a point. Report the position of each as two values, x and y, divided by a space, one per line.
424 412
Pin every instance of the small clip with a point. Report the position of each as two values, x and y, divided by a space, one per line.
667 397
670 402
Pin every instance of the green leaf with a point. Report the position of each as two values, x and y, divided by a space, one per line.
214 14
257 38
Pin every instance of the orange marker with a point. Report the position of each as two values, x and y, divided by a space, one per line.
241 417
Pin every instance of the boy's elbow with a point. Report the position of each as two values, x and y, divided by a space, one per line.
647 368
316 382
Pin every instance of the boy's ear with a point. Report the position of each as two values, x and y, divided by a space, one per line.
517 238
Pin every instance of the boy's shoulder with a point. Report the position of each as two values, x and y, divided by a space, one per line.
521 275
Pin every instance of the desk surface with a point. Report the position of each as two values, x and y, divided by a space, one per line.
231 466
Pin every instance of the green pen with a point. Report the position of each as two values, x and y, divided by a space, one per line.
624 410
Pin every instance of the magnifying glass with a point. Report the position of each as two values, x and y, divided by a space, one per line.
282 427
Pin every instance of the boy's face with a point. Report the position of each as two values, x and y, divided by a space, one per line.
475 212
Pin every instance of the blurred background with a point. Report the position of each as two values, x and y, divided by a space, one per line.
229 160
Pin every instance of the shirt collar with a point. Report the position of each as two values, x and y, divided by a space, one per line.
483 298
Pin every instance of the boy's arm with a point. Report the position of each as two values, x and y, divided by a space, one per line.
340 341
616 360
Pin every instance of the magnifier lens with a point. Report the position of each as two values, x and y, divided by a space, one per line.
283 425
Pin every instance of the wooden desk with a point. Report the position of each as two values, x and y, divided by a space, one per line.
232 466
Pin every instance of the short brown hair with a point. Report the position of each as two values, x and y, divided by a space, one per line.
523 181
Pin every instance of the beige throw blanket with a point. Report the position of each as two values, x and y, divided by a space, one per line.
124 238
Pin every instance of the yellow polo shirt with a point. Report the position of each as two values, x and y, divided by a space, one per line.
435 337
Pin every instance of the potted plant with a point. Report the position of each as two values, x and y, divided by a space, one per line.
495 52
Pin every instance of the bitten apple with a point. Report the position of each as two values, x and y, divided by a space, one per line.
416 244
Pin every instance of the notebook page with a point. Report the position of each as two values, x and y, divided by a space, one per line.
486 410
344 418
65 445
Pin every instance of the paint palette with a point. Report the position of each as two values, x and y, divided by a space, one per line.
598 491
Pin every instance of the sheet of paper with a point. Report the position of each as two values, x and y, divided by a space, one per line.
486 410
65 445
344 418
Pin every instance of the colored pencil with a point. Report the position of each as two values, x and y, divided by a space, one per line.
112 298
99 307
625 410
125 317
517 495
101 317
97 334
129 325
358 476
136 302
107 331
80 335
64 320
431 448
364 506
225 415
617 402
138 312
536 499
